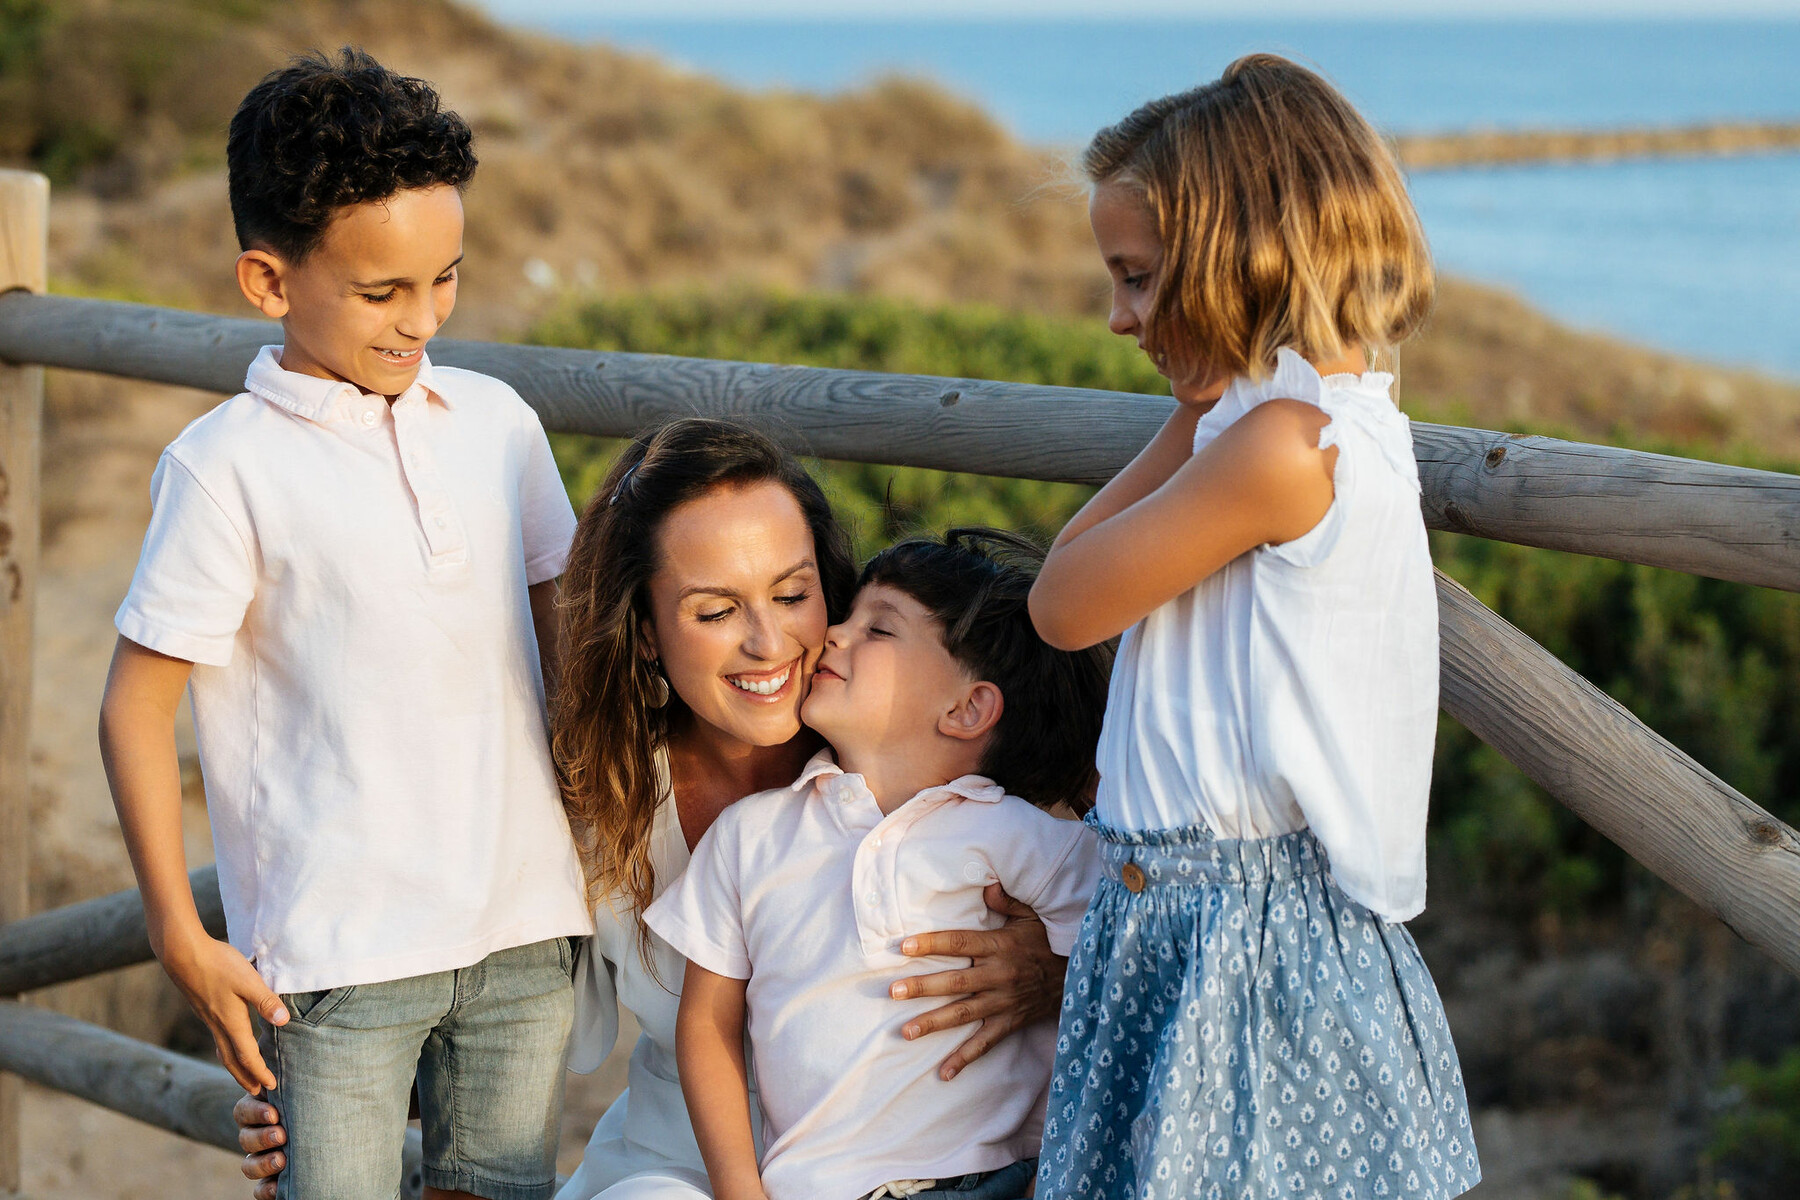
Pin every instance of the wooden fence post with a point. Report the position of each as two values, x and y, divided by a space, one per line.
24 224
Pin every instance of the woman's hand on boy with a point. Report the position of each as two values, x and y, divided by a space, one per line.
223 988
260 1137
1013 980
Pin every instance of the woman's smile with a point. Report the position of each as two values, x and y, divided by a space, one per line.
766 686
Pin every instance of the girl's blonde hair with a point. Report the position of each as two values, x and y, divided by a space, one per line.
1283 220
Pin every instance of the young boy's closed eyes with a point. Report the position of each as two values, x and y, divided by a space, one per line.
937 698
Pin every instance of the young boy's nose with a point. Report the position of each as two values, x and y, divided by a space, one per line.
418 319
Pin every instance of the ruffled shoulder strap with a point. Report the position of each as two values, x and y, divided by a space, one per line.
1359 400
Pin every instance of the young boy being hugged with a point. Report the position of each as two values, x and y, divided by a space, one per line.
794 909
351 566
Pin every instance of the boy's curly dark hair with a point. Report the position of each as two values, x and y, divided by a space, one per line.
975 583
322 134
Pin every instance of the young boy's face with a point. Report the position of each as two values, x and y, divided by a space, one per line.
884 680
362 305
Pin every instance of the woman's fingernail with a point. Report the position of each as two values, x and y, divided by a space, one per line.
948 1074
898 991
909 946
910 1032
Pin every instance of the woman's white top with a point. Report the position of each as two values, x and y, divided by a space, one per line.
1297 685
646 1135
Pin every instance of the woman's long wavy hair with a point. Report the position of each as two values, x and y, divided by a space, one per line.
1283 217
605 733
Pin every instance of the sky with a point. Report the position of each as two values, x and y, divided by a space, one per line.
531 11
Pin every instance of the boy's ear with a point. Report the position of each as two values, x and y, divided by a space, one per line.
975 715
261 277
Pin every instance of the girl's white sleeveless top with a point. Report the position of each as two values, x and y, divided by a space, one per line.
1298 685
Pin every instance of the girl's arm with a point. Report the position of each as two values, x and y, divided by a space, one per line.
1263 481
709 1049
1160 458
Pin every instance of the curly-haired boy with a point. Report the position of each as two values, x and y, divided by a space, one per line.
351 566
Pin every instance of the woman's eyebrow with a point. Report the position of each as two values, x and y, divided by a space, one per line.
701 589
805 564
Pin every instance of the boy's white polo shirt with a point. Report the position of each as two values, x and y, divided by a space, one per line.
349 580
807 891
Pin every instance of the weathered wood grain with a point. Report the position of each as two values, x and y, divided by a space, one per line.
1716 846
1699 517
24 225
157 1086
1725 522
96 935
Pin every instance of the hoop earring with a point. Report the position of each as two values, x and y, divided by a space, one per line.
658 692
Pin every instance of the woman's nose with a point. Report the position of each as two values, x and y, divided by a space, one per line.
763 638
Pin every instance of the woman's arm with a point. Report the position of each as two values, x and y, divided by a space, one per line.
1262 481
260 1137
1013 980
1160 458
709 1049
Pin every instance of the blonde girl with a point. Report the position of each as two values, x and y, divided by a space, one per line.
1245 1015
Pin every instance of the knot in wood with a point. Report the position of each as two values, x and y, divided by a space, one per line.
1495 457
949 398
1766 832
1455 517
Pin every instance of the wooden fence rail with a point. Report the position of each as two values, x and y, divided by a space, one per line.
94 936
1703 518
1717 846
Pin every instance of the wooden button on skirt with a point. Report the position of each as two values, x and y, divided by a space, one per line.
1132 876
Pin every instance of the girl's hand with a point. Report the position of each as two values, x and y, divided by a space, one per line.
259 1136
1014 980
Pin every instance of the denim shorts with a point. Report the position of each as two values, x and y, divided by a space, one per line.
486 1044
1006 1183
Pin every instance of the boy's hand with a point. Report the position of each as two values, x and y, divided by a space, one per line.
222 987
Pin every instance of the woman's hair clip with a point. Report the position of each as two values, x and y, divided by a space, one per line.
624 482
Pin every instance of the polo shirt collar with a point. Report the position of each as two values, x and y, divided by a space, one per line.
823 768
323 400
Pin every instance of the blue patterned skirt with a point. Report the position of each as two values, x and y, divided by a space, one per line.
1236 1028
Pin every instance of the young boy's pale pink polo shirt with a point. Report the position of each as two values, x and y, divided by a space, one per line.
807 891
349 580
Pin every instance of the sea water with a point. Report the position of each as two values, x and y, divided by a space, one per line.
1699 256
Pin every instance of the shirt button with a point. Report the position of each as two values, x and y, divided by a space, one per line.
878 840
369 417
873 898
1132 876
438 521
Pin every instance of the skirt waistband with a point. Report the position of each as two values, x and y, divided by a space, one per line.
1193 856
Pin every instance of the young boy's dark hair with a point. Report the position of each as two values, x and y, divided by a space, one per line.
975 583
322 134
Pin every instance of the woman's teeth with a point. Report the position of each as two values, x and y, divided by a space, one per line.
761 687
398 356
